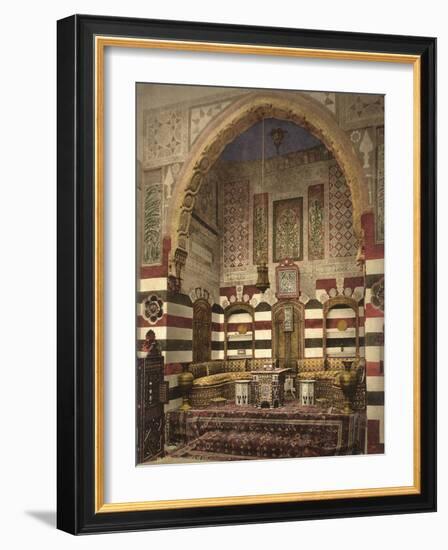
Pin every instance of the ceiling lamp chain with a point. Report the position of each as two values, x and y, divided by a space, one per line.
262 268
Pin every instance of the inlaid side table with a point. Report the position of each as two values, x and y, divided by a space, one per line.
270 387
242 392
306 392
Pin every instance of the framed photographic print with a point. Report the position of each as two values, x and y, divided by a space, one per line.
246 266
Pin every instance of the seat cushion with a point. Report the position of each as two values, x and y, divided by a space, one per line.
221 378
198 370
337 363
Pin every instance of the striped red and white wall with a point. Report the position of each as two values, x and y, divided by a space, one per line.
374 339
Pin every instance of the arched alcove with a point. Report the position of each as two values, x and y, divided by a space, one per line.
235 119
340 301
233 311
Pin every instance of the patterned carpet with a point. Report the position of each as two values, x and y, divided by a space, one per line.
236 433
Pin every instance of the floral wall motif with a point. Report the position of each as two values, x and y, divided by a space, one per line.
153 309
288 279
316 227
164 136
152 224
260 228
288 229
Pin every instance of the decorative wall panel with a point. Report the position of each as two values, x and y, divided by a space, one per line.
364 144
379 195
288 229
236 223
165 138
360 110
261 214
343 242
288 280
152 224
327 99
201 115
205 206
316 231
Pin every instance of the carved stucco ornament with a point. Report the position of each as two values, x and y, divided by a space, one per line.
377 296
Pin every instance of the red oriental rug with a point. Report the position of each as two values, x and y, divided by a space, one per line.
235 433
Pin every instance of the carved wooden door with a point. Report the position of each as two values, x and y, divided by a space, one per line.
287 334
202 331
152 393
